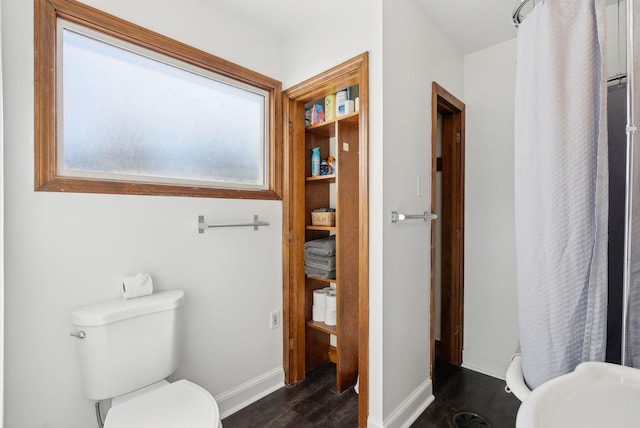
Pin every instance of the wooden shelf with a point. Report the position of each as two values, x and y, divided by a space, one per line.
351 117
343 138
331 178
327 280
317 325
326 129
327 228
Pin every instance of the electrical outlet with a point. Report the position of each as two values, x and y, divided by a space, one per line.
274 320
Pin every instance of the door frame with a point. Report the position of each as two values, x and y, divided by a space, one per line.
452 222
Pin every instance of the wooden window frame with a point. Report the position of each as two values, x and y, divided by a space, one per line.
46 15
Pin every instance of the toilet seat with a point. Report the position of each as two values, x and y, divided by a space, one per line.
179 404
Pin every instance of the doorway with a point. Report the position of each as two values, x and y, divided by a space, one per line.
309 342
447 234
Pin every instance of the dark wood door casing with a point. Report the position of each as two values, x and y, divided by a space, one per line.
452 223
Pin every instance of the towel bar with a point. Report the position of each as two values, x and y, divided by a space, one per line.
202 226
396 217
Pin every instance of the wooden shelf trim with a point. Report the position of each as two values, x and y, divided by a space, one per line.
328 280
320 326
327 228
329 177
319 126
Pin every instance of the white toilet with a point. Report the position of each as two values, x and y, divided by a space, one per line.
126 350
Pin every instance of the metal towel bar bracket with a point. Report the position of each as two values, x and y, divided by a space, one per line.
202 226
396 217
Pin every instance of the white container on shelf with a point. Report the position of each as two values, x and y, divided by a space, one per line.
341 101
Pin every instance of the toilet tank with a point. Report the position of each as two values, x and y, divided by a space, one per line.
129 343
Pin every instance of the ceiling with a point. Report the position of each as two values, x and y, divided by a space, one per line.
477 24
284 17
470 24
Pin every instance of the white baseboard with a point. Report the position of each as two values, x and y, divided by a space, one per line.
409 410
249 392
488 364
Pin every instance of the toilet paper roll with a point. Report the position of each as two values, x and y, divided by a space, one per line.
349 107
317 313
320 297
330 302
331 291
136 286
330 317
357 103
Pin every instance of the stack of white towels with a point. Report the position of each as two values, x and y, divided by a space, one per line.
320 257
324 305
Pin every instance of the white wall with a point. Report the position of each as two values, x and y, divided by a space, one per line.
65 250
616 39
490 299
415 55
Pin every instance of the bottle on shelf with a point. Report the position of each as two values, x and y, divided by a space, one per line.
330 107
341 101
324 167
315 162
332 165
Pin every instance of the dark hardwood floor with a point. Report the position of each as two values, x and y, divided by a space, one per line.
310 403
314 403
459 390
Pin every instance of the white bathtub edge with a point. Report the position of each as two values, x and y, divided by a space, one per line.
515 379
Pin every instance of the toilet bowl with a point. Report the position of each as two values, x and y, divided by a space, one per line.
126 349
170 405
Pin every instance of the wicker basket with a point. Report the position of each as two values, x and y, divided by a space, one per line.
323 218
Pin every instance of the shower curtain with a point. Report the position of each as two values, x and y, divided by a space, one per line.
561 181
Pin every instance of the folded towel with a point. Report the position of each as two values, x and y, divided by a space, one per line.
321 247
319 266
320 273
328 242
320 262
320 259
314 251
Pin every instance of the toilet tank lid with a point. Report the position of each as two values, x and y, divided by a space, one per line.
102 313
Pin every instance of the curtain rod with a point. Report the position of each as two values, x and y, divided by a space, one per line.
618 77
516 18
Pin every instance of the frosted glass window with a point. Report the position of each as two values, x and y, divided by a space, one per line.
134 115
